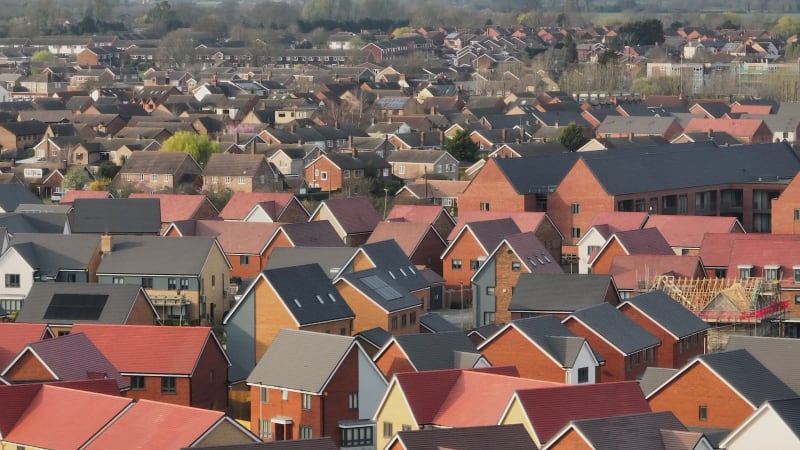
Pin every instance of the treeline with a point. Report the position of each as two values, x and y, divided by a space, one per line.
368 23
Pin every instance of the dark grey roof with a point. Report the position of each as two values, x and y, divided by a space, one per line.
558 292
486 331
668 313
318 233
390 258
379 286
308 294
468 438
537 174
436 351
654 377
436 323
553 337
416 156
377 336
632 432
747 376
117 215
11 195
616 328
491 232
789 411
332 259
34 222
51 253
156 255
780 355
300 360
118 302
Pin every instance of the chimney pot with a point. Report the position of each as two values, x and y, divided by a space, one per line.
105 243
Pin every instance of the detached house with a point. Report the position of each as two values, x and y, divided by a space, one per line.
560 294
264 207
243 172
428 351
353 218
15 136
413 164
159 172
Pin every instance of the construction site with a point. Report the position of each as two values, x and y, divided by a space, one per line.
751 306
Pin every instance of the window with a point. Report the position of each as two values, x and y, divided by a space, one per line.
323 175
346 173
264 428
401 170
357 437
147 283
166 178
154 178
168 385
244 260
516 266
172 284
242 180
455 264
576 208
744 271
214 180
394 323
117 280
489 290
12 280
796 271
474 264
306 401
771 273
305 432
264 395
583 375
227 180
388 430
702 412
576 232
137 383
140 176
683 204
284 395
484 206
184 283
797 215
591 249
352 400
412 317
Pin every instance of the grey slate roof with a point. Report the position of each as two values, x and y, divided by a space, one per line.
537 174
156 255
332 259
780 355
789 411
301 288
748 376
117 215
389 257
46 222
632 432
379 286
300 360
319 233
468 438
668 313
616 328
50 253
377 336
553 337
11 195
436 323
437 351
558 292
491 232
324 443
117 307
654 377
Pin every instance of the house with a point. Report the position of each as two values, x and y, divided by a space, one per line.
785 213
60 305
44 361
717 390
12 195
310 385
428 351
132 216
16 136
773 421
242 172
264 207
494 281
353 218
436 192
190 371
297 297
414 164
748 131
560 294
634 274
437 216
291 160
645 241
779 355
419 241
627 347
685 233
468 438
341 171
682 334
646 430
160 172
601 229
571 403
621 126
177 207
185 278
15 336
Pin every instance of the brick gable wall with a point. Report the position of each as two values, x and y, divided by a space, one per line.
491 186
511 348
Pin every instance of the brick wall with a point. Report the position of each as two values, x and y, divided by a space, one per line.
572 440
393 361
491 186
428 252
671 353
579 187
505 280
334 181
208 383
602 263
615 368
294 213
511 348
466 248
141 313
152 391
29 368
335 398
783 209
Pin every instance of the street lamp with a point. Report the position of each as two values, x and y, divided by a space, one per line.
385 197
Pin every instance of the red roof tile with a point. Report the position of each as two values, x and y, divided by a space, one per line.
620 221
715 250
627 270
15 398
176 206
15 336
149 349
688 231
525 221
739 128
241 203
784 253
751 109
354 214
580 401
238 237
155 425
408 235
648 241
70 196
415 213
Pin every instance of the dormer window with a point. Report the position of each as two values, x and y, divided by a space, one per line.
745 270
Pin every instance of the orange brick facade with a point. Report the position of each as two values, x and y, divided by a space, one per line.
571 440
672 353
783 210
393 361
467 250
602 262
28 369
505 280
511 348
697 387
369 315
325 175
152 390
491 188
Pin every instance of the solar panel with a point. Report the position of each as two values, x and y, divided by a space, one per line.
380 286
76 307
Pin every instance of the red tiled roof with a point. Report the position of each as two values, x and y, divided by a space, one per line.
715 250
620 221
745 128
580 401
154 425
415 213
784 253
15 398
241 203
751 109
525 221
149 349
50 422
354 214
648 241
176 206
688 231
71 195
627 270
15 336
407 234
238 237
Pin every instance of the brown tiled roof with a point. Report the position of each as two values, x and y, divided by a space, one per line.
155 162
228 164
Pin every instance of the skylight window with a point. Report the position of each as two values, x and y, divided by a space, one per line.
330 296
392 275
403 272
411 269
297 302
321 302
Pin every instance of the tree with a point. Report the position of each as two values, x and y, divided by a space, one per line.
176 49
608 56
76 178
572 137
787 26
199 146
644 32
43 56
462 147
570 50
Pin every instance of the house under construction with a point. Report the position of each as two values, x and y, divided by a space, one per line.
750 306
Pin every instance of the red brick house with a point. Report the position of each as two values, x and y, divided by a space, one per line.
420 241
748 131
164 172
190 371
646 241
682 334
310 385
272 207
718 390
428 351
337 171
627 347
786 209
437 216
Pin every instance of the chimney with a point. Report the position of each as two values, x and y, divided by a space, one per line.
710 133
292 128
503 135
253 147
630 136
105 243
350 141
441 137
336 124
236 137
